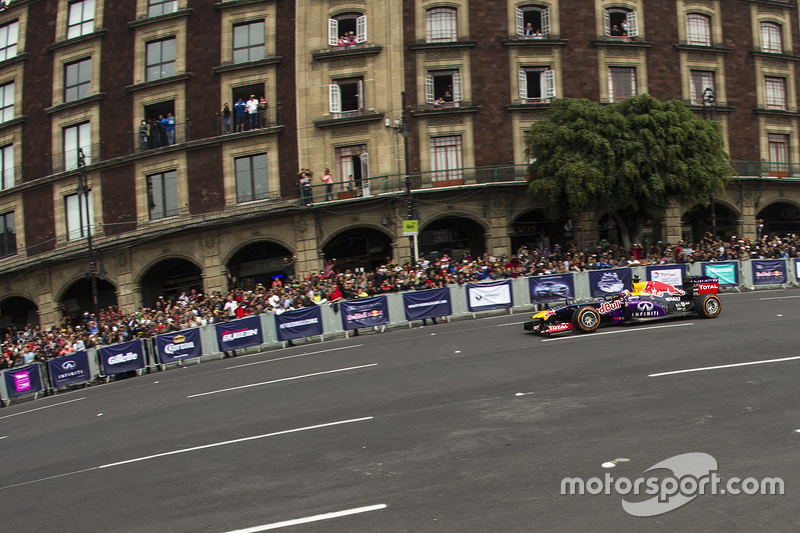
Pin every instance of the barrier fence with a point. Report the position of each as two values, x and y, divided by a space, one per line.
271 330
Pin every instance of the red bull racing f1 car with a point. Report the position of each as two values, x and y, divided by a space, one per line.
649 300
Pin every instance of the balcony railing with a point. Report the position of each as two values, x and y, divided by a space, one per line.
766 169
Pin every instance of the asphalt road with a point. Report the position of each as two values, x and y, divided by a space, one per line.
463 427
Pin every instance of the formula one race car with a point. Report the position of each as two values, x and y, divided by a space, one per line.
649 300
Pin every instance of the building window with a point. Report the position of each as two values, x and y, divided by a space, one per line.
78 216
348 29
251 178
162 195
346 97
160 60
620 23
77 137
778 153
698 29
80 18
248 42
8 235
533 22
775 92
352 167
446 160
7 96
443 88
771 38
621 83
7 167
77 80
701 80
9 35
441 25
536 85
161 7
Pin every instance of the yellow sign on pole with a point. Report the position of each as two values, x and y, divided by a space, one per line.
410 228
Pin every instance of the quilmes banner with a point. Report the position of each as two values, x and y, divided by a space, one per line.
551 288
364 313
427 304
486 296
299 323
24 380
173 347
602 282
70 369
122 357
768 271
238 334
726 271
671 275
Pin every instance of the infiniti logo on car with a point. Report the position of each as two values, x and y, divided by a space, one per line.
644 306
68 365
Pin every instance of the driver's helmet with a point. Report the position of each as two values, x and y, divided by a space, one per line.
624 293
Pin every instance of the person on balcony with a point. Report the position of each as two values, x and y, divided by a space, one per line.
226 117
252 112
327 179
239 114
144 135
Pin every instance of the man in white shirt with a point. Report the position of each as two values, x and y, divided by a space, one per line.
252 111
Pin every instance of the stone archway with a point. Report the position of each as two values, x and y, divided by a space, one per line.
781 218
455 236
168 278
258 263
532 229
696 222
359 247
17 312
76 299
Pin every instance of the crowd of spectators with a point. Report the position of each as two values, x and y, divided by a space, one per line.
332 284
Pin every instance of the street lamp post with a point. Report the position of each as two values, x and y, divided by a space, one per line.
708 104
409 198
84 189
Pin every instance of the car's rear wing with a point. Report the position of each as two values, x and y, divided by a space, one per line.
701 284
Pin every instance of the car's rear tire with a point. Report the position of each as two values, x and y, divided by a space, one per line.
586 319
708 305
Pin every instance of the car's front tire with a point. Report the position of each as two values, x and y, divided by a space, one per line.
586 319
708 305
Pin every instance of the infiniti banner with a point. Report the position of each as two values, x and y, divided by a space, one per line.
70 369
122 357
768 272
240 333
364 313
173 347
486 296
299 323
602 282
25 380
551 288
427 304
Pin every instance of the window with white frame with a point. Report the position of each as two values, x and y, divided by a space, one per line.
347 29
533 22
352 166
698 29
160 59
80 214
248 41
8 235
77 79
7 178
771 38
7 96
536 85
775 92
162 195
701 80
441 25
621 83
447 158
346 97
80 18
9 37
621 23
77 137
161 7
251 178
443 88
778 144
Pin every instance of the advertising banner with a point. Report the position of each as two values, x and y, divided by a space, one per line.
364 313
24 380
299 323
768 271
486 296
726 271
174 347
238 334
603 282
427 304
551 288
669 274
797 269
70 369
123 357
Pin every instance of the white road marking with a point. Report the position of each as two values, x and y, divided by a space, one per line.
293 356
282 379
702 369
779 297
631 330
512 324
4 437
235 441
40 408
48 478
308 519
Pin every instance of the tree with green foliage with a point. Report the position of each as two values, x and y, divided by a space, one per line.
631 159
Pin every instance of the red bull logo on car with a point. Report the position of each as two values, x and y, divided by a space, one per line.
657 288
